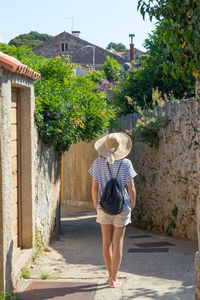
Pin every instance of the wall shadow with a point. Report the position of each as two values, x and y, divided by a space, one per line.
9 261
80 244
52 291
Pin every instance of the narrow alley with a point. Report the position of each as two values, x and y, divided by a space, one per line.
153 266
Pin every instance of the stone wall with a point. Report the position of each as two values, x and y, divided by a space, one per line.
197 257
168 183
11 261
39 181
47 191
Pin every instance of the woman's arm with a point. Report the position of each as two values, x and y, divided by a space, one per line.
132 193
95 188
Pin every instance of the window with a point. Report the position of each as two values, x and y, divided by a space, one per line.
64 47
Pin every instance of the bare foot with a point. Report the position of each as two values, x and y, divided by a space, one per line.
115 283
108 281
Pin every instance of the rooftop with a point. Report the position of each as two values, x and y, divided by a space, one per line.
11 64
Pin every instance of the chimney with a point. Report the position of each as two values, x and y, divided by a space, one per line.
131 52
131 35
76 33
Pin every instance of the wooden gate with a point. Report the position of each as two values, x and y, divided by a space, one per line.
15 129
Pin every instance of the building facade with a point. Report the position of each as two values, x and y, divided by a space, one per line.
77 50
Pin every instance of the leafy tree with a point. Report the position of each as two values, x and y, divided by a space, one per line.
138 84
97 76
29 40
117 47
68 108
183 33
111 69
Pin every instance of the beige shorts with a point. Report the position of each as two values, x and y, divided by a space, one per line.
121 220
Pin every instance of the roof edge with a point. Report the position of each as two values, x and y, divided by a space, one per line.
11 64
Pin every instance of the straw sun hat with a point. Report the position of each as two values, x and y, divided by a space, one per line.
114 146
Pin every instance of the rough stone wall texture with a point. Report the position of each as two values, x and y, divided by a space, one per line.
197 257
47 191
168 183
6 183
128 121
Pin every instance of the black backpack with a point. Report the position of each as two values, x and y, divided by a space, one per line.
112 199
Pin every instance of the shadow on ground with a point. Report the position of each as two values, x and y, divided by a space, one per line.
59 290
80 243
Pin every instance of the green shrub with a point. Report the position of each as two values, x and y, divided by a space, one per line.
70 111
175 211
68 108
96 76
148 133
150 121
45 276
9 296
39 246
111 69
25 273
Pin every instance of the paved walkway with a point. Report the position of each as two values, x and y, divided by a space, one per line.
153 266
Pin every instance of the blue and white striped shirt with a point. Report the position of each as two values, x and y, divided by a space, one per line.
99 170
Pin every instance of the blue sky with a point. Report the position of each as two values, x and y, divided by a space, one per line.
100 22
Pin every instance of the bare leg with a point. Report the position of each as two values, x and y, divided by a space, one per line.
118 239
107 234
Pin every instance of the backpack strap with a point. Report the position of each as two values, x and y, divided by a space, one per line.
117 170
109 170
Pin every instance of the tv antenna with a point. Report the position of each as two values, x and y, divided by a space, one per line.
72 20
131 35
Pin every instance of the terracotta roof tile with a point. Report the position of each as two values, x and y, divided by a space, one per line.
12 64
120 53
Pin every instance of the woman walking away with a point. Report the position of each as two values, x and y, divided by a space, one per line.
111 163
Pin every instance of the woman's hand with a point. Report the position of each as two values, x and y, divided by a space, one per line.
132 193
132 205
95 205
95 188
